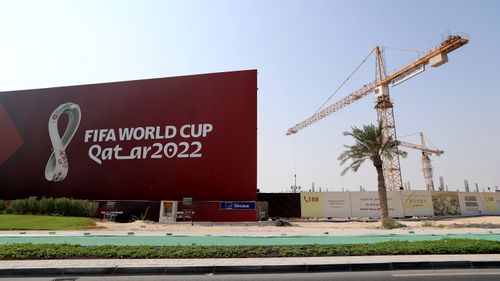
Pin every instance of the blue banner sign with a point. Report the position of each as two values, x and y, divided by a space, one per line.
237 205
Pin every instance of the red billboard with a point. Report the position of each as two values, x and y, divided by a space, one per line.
156 139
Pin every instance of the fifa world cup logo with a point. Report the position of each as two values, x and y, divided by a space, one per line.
57 167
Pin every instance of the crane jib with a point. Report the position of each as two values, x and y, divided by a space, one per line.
451 43
407 75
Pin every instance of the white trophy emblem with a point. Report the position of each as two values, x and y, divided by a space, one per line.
57 166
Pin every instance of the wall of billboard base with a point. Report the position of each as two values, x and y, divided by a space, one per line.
401 203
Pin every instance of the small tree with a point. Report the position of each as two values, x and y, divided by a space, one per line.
370 144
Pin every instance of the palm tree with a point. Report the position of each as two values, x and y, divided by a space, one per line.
370 144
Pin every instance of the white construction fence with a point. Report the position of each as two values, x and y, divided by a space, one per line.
401 203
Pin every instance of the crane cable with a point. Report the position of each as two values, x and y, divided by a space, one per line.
429 141
409 135
404 50
345 81
425 137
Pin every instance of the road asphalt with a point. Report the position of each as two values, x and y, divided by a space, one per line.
394 275
101 267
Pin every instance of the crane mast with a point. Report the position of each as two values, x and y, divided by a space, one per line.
385 115
426 161
384 105
427 169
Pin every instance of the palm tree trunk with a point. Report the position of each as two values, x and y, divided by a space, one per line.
382 192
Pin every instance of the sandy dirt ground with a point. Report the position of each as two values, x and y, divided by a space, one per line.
485 224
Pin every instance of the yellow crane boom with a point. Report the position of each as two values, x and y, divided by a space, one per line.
439 54
422 148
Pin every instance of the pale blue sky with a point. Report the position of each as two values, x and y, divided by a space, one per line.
303 50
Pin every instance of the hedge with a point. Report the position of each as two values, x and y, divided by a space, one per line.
69 251
50 206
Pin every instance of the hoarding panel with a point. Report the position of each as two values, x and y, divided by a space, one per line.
168 138
311 204
417 203
325 204
471 203
337 204
367 204
492 203
445 203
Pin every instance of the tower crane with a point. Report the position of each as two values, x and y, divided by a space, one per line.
426 161
384 105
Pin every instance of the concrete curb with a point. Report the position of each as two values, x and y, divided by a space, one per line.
239 269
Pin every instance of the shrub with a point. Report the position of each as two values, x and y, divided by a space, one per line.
22 206
142 217
58 206
63 206
391 223
427 224
2 206
431 224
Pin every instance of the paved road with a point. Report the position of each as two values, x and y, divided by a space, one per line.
410 275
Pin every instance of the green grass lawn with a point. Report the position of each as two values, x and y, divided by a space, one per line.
32 222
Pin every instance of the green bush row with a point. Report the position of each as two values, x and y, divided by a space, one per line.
68 251
50 206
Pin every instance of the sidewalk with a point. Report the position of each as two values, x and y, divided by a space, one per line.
242 265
